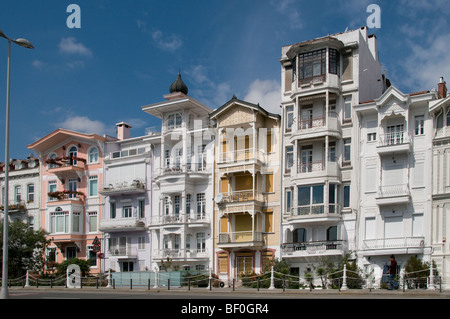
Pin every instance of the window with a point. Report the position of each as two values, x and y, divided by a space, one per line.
30 193
188 204
299 235
52 157
73 152
448 118
289 118
347 109
141 242
419 125
127 211
223 262
59 222
188 242
268 227
269 141
288 201
167 158
269 183
51 189
92 222
76 222
312 64
346 195
71 252
127 266
92 256
370 228
73 188
371 137
112 210
177 205
347 152
93 186
289 158
201 202
395 134
174 121
332 152
332 233
93 155
310 199
166 205
201 242
18 194
141 206
334 60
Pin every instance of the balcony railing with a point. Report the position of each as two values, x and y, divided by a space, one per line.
390 243
394 138
174 253
112 187
315 209
243 155
179 219
121 250
315 247
311 123
14 205
393 191
66 195
120 224
240 237
240 196
331 166
178 168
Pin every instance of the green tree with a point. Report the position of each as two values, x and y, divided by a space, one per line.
417 272
26 249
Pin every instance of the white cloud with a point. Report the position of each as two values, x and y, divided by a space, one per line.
38 64
289 9
83 124
71 46
266 93
163 41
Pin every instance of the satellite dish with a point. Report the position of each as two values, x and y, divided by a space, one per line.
218 199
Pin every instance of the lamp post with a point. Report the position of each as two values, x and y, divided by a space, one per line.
26 44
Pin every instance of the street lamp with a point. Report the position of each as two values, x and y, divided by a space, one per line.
26 44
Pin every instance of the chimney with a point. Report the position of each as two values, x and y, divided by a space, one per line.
442 88
123 130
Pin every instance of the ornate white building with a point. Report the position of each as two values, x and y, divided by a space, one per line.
23 191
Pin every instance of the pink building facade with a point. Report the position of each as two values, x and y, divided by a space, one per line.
71 207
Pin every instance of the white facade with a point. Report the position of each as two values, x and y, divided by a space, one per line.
395 182
23 192
128 201
322 80
440 223
182 185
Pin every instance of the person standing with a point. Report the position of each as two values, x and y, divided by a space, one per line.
392 271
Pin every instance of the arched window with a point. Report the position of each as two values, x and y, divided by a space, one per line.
51 165
73 152
93 155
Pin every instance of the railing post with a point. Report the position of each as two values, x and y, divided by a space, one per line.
109 279
131 284
257 283
431 285
272 286
234 281
284 283
168 284
156 278
344 278
27 282
189 283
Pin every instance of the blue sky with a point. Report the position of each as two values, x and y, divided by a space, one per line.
127 53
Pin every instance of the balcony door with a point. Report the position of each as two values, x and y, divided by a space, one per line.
244 263
307 155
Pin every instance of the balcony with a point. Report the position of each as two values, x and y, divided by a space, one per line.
396 142
240 239
191 170
192 220
14 206
385 246
318 127
177 254
124 188
314 214
393 194
317 248
319 169
123 252
241 201
66 197
66 167
122 224
241 157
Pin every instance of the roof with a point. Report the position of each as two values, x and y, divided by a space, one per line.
235 100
